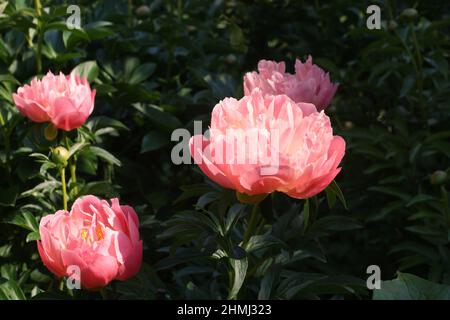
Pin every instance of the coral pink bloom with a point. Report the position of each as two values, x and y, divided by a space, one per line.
65 101
264 143
101 239
309 83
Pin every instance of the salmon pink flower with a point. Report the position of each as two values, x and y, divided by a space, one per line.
263 143
101 239
309 83
65 101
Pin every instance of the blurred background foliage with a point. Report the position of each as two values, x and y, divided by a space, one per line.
159 65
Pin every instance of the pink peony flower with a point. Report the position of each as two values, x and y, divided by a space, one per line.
263 143
309 83
65 101
101 239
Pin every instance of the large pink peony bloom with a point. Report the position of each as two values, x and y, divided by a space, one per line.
264 143
65 101
309 83
101 239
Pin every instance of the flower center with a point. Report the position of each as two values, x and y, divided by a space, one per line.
85 234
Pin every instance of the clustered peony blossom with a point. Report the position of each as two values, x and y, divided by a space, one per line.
276 138
101 239
309 83
306 153
65 101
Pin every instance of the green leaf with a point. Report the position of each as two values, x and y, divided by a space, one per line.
153 140
88 69
25 220
259 242
237 38
305 284
191 191
8 78
141 73
234 214
76 147
51 296
305 214
336 223
105 155
239 273
268 281
391 191
331 198
99 188
408 84
101 122
33 236
43 187
141 286
5 250
420 198
334 188
159 117
10 290
410 287
237 253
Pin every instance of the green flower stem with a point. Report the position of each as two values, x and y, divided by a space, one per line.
104 294
73 174
420 75
6 137
64 189
38 8
260 227
130 13
251 225
446 205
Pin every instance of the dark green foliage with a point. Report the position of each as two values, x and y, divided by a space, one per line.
161 67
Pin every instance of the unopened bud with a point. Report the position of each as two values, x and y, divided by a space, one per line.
143 11
230 59
392 25
348 125
438 177
410 14
60 155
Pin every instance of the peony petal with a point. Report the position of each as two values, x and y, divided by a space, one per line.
66 116
132 263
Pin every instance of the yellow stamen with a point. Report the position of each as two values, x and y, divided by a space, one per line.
99 232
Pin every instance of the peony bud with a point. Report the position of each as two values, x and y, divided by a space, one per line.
60 155
409 14
392 25
143 11
438 177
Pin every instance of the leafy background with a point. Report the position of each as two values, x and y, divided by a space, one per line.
159 65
